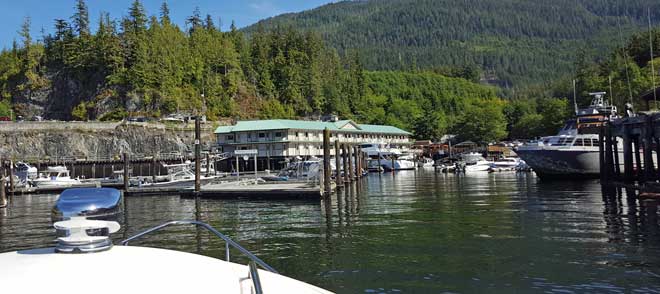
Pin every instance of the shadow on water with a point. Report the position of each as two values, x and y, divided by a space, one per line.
412 232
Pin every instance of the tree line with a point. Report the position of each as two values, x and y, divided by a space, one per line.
147 65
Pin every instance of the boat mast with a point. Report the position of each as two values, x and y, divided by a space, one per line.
655 98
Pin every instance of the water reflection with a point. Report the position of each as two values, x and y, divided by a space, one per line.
414 231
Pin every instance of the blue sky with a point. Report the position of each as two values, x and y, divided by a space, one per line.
43 12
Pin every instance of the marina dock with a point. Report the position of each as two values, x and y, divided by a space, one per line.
629 149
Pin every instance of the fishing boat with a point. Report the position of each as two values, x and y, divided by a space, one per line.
55 177
86 257
574 151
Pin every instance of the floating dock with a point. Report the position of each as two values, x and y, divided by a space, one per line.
275 190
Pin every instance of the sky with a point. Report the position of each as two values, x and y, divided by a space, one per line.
43 12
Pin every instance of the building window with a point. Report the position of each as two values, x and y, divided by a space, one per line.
278 134
249 135
307 135
229 137
262 135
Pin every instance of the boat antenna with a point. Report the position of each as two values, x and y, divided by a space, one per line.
625 60
575 97
655 98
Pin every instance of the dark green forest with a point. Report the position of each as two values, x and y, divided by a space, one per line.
514 42
143 64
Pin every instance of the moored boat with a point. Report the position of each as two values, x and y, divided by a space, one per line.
574 151
55 177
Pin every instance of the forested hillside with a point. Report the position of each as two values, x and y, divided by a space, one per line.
515 42
146 65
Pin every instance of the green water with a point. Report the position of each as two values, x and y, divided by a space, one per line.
415 232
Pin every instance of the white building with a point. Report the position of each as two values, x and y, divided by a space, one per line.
290 138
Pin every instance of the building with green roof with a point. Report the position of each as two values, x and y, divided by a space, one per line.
292 138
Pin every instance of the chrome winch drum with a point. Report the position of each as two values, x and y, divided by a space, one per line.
90 203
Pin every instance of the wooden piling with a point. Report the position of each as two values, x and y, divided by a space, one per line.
344 158
608 154
126 171
338 178
380 166
649 171
326 162
601 153
153 169
638 159
208 165
3 192
617 164
198 163
351 174
358 162
627 157
392 158
12 186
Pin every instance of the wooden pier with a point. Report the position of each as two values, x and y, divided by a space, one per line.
351 157
629 149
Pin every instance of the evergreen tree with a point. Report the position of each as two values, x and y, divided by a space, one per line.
81 18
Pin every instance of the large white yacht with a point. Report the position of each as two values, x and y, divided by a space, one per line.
573 152
86 257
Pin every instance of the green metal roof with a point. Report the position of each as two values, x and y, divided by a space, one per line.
284 124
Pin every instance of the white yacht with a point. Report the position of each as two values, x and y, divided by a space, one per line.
475 162
53 177
573 152
392 162
85 256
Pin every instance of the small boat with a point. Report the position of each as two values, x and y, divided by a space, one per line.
426 162
507 164
25 172
86 256
475 162
389 164
55 176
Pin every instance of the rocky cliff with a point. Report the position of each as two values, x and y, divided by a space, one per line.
41 140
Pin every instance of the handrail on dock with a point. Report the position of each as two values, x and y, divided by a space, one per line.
228 241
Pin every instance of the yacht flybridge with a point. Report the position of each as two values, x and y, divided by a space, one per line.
573 152
85 260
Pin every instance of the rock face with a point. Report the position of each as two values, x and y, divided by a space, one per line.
94 140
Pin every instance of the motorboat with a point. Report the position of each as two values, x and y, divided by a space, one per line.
507 164
426 162
475 162
55 177
403 162
25 172
574 151
373 150
179 174
86 255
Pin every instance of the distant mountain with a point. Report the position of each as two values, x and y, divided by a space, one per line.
515 42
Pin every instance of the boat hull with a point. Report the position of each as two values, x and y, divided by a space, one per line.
562 163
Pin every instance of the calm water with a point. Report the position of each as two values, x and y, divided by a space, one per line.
416 232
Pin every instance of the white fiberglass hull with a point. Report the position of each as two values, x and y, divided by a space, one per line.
140 269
